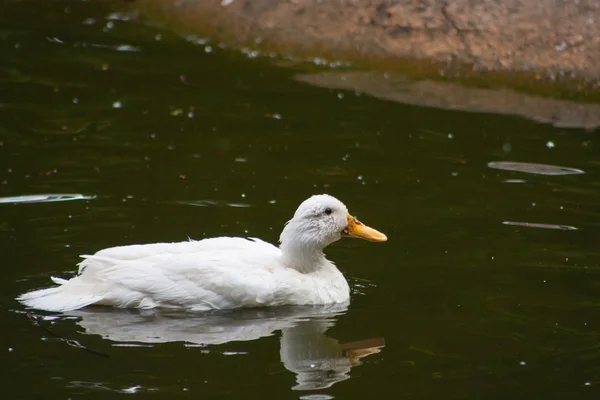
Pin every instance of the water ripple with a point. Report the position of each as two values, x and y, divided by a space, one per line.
531 168
543 226
214 203
44 198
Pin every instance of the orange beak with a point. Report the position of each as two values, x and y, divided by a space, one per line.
357 229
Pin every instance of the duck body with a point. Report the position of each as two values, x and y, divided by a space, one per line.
216 273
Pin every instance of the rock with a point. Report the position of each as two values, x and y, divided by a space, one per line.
545 36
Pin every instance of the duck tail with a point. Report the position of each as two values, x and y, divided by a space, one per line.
70 295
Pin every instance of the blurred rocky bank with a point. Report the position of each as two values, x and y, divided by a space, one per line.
547 48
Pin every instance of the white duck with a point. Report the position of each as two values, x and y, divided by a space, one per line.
217 273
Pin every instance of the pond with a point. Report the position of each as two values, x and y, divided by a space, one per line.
115 132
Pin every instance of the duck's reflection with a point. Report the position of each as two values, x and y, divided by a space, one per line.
317 360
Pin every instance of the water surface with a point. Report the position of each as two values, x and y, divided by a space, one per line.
157 136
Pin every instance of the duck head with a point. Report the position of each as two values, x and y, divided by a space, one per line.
322 220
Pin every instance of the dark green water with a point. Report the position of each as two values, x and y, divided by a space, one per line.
169 139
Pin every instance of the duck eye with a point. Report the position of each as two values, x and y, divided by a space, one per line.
328 211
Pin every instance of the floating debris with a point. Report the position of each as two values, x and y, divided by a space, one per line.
119 47
117 16
44 198
543 226
540 169
196 40
54 40
126 47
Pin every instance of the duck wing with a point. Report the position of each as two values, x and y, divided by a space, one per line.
202 275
